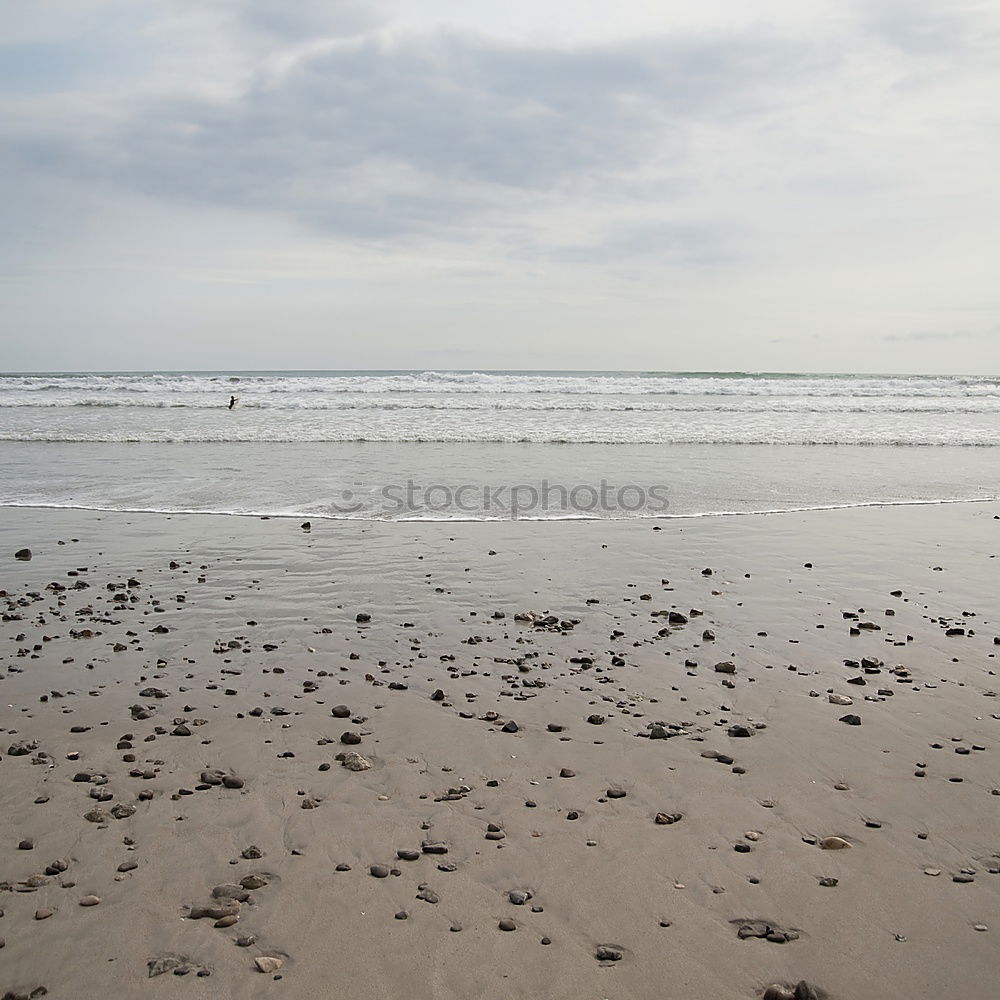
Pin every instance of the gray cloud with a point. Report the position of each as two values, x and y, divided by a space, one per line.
305 19
702 245
945 335
372 139
928 27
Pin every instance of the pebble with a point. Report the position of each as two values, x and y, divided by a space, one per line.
506 924
834 843
353 761
268 963
90 901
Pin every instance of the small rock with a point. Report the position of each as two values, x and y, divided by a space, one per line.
268 963
834 843
353 761
165 963
605 953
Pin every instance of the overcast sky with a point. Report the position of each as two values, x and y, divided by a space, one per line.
768 185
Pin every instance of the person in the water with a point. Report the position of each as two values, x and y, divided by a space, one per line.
232 402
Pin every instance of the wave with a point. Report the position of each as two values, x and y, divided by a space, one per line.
846 404
541 438
471 518
217 386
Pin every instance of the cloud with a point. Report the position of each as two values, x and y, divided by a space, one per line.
942 335
928 27
370 138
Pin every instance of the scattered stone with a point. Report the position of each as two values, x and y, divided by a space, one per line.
268 963
608 953
353 761
165 963
834 843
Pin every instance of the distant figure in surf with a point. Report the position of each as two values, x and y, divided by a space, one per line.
232 402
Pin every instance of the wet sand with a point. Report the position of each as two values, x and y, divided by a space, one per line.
594 759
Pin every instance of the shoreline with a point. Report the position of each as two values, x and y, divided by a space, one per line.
644 519
274 626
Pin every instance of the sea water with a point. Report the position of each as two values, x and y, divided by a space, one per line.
494 445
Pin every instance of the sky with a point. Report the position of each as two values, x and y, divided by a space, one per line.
766 185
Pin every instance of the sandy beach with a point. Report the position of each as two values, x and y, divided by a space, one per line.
704 758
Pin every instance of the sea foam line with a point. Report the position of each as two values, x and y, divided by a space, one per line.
361 517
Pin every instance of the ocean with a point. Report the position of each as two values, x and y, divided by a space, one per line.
399 445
